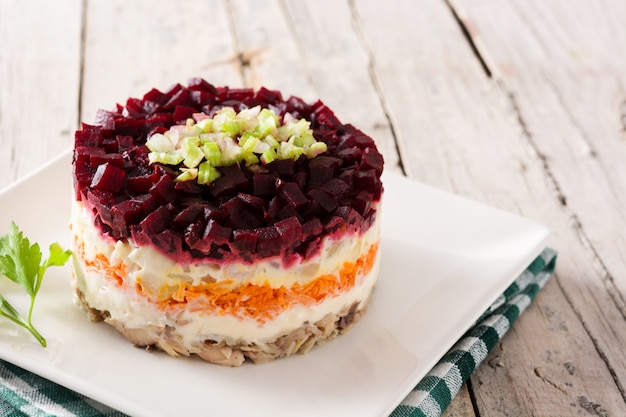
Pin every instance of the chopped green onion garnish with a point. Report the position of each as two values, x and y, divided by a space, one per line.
252 136
188 174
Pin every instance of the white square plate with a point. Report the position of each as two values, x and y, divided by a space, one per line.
444 260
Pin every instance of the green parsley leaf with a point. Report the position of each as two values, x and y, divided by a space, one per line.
21 263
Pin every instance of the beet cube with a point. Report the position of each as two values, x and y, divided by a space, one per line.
296 104
263 184
90 136
128 127
212 212
244 242
252 201
336 188
172 91
282 167
334 223
156 121
235 174
193 237
182 113
137 156
285 212
312 210
290 231
157 221
125 213
238 94
168 241
239 178
124 142
180 98
347 141
326 117
372 159
268 241
146 202
105 119
164 190
84 153
216 233
291 194
366 179
202 99
363 201
349 214
188 214
326 202
311 229
362 140
188 187
100 203
347 175
141 183
108 177
109 145
156 96
82 177
268 96
300 178
350 155
101 158
322 169
222 186
140 108
200 84
239 214
274 208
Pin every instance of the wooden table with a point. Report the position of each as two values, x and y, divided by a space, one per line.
518 104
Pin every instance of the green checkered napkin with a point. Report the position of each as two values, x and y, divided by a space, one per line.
25 394
433 394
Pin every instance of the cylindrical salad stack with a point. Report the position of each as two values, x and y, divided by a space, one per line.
226 223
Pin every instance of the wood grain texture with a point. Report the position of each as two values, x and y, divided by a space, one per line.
467 135
131 47
38 85
339 64
562 67
314 56
520 105
563 63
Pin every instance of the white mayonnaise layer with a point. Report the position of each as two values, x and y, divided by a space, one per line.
194 327
155 271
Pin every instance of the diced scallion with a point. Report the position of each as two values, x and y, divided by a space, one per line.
252 136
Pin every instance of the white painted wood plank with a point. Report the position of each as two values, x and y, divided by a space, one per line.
339 67
132 47
563 64
567 73
38 86
460 131
271 53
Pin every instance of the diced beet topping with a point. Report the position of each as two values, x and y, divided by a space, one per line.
281 208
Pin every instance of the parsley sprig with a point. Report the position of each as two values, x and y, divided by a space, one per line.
22 263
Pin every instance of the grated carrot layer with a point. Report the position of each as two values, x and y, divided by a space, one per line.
100 264
260 302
